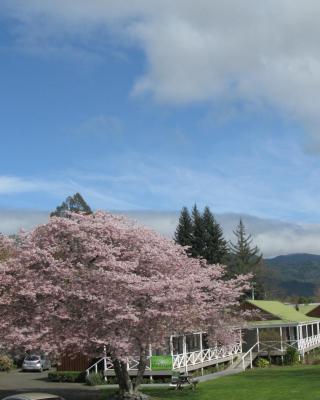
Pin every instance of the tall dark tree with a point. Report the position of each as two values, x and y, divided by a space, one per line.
75 203
183 233
198 233
246 258
215 247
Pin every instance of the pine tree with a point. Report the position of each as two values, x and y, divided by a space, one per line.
75 203
198 233
215 246
183 233
246 258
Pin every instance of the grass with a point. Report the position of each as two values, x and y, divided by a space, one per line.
278 383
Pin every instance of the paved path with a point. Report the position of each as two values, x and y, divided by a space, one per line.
16 381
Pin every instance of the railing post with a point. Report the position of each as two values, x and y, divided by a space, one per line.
251 359
201 349
171 345
150 355
105 363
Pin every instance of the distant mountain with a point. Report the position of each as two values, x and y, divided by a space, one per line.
296 274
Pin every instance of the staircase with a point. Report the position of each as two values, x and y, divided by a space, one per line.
246 361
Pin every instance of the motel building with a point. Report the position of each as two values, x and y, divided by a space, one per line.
271 327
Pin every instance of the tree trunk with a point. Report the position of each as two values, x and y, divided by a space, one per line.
127 391
141 370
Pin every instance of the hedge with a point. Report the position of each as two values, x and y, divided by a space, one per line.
66 376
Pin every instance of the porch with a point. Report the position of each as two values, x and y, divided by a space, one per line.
274 340
187 352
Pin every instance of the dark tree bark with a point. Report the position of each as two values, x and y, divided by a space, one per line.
128 390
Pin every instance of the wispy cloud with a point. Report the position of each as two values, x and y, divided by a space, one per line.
60 189
195 51
100 125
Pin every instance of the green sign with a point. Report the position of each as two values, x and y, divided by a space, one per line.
160 363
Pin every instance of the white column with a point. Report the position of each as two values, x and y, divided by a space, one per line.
281 347
301 336
105 363
258 339
171 345
201 350
185 353
150 355
312 333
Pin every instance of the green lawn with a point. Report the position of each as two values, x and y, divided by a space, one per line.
281 383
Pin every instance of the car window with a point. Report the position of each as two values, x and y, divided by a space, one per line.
51 398
32 358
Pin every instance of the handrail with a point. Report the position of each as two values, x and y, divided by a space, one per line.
179 361
200 357
249 352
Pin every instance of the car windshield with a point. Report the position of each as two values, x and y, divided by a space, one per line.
51 398
32 358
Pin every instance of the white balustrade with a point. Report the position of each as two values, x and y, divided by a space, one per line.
179 361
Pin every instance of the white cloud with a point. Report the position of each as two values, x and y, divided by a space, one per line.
196 50
273 237
11 221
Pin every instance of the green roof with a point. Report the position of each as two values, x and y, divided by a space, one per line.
285 313
306 308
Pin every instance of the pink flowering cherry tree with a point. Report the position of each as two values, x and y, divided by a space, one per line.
89 281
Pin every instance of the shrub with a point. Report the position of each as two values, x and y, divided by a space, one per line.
262 363
94 379
291 357
66 376
6 363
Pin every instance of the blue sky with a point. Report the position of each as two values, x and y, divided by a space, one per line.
156 105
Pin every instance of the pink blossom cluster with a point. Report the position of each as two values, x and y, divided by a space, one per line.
79 283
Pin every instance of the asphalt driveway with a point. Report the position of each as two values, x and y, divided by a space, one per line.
17 381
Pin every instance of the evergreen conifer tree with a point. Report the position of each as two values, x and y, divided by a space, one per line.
215 247
198 233
183 233
75 203
246 258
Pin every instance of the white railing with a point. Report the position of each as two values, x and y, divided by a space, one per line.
248 356
276 345
304 344
179 361
301 344
106 364
193 358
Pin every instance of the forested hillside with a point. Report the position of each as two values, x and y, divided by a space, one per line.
296 274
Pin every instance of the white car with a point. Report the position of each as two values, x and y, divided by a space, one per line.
33 396
35 362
